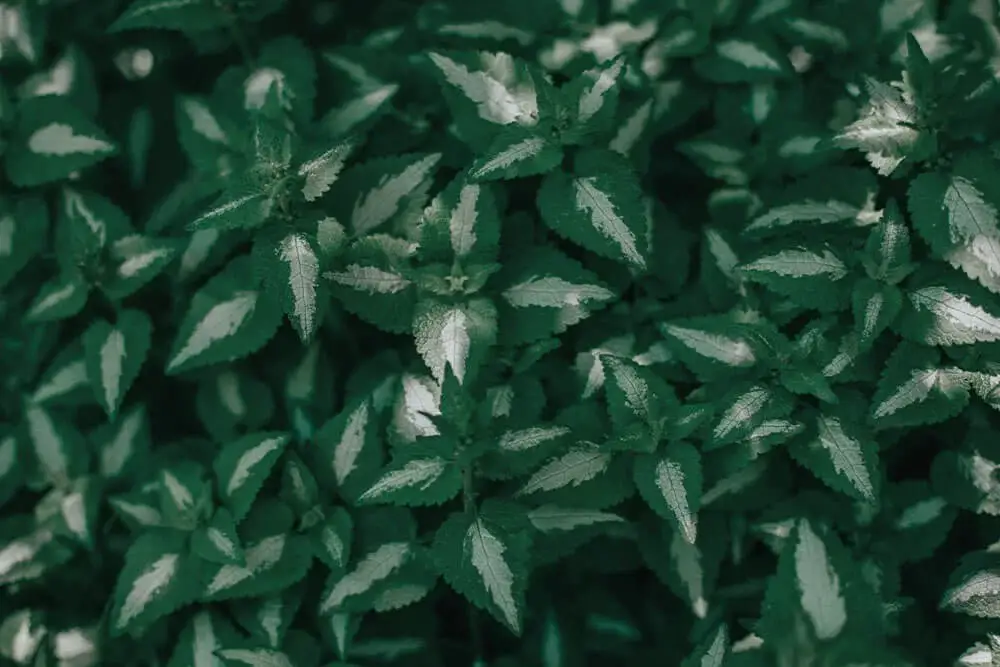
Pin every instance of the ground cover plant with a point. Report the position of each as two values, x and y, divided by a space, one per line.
535 332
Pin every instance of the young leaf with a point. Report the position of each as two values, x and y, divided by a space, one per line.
671 483
24 224
887 128
599 206
915 389
456 336
516 152
271 564
875 307
321 171
157 579
289 264
371 570
60 298
593 96
386 187
425 474
484 556
218 541
242 466
58 448
842 455
227 319
886 256
114 355
137 260
461 224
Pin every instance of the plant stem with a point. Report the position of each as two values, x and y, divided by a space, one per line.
475 630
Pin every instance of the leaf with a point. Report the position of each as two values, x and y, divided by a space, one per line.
578 465
24 223
271 564
554 518
461 224
242 466
599 207
958 217
593 96
946 314
671 483
218 541
58 299
256 657
372 569
321 171
484 557
424 475
915 389
114 355
977 594
52 140
711 346
332 539
157 579
456 336
225 321
886 128
516 153
185 495
887 251
635 395
385 186
290 265
712 651
58 447
184 15
138 259
875 307
737 60
243 205
207 632
842 455
359 112
348 442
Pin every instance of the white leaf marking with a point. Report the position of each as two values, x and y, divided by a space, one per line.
345 454
554 292
179 494
921 513
957 321
508 157
592 98
571 469
670 482
550 518
8 455
800 264
369 279
531 437
59 139
383 201
742 411
113 356
494 101
203 121
462 225
117 453
748 54
819 584
205 642
633 127
49 447
734 352
7 229
846 454
260 557
71 376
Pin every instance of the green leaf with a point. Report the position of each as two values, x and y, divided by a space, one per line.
599 207
185 495
114 354
202 636
290 264
875 306
369 571
52 140
332 539
887 128
671 483
483 555
183 15
635 395
256 657
372 281
516 152
218 541
745 407
461 224
246 204
423 474
956 213
59 449
738 60
799 272
583 463
58 299
949 313
842 455
24 224
886 256
976 594
271 564
65 379
713 346
227 319
712 651
319 172
242 466
916 389
359 112
157 579
11 466
456 336
382 189
593 97
137 259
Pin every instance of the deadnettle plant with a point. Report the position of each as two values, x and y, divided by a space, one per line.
543 332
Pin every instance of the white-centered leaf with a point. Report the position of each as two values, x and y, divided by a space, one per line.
297 255
686 560
370 570
956 321
56 298
8 455
71 376
59 139
198 249
462 224
203 121
8 226
445 334
669 477
256 657
258 558
846 454
748 54
116 454
531 437
495 102
112 356
205 643
554 292
969 215
742 411
369 279
727 350
379 204
631 130
605 218
418 474
571 469
819 586
250 459
342 120
486 553
352 441
321 171
514 154
552 518
592 98
799 264
808 210
49 447
917 388
921 513
180 495
983 584
222 321
149 585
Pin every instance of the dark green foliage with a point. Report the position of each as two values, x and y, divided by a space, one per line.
527 333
